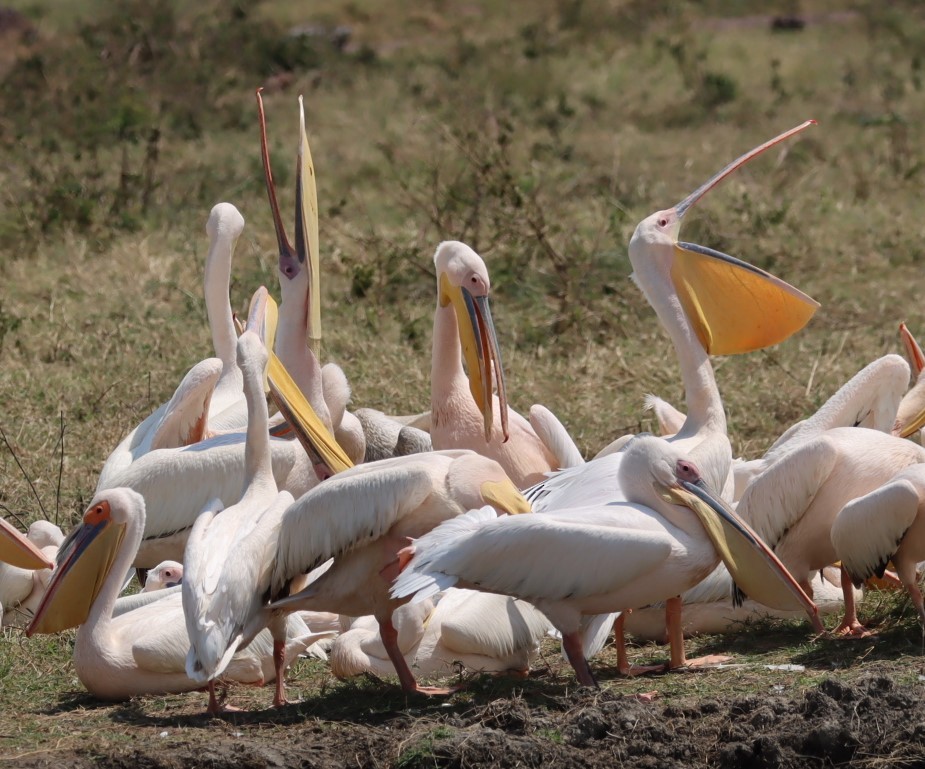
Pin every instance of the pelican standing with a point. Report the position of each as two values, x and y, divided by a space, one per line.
362 517
600 559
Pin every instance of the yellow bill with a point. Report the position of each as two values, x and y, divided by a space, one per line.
18 551
321 446
307 232
733 306
754 568
505 497
84 561
480 350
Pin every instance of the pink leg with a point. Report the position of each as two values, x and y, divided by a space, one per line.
390 640
217 705
623 664
571 642
676 640
850 627
279 664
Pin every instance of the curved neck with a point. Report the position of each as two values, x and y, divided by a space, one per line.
96 626
257 463
704 405
218 307
446 368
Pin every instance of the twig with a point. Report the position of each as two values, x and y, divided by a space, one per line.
23 471
19 520
60 467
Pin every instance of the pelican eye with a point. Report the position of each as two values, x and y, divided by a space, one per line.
663 222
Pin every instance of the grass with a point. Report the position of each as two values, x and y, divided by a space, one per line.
540 136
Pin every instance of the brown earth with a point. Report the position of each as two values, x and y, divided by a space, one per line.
871 721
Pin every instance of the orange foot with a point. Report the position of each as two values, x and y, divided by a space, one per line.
436 691
641 670
852 629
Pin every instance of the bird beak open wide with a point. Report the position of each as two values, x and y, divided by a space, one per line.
18 551
304 255
733 306
756 571
910 416
480 349
83 563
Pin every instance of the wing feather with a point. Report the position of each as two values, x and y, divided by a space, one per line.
868 529
778 497
556 556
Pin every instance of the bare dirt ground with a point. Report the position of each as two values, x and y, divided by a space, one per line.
741 716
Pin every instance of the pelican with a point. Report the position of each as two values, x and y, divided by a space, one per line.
465 414
887 524
363 516
227 561
666 537
910 416
21 587
298 339
709 303
209 399
142 651
482 632
165 574
794 503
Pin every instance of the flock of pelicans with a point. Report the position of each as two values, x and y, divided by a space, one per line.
467 533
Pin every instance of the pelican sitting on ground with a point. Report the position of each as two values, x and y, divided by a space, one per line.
605 558
887 524
165 574
482 632
209 399
465 412
363 516
21 587
143 651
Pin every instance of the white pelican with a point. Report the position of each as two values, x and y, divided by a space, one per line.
298 338
21 587
794 502
209 399
465 412
165 574
228 554
482 632
910 416
887 524
143 651
599 559
363 516
709 303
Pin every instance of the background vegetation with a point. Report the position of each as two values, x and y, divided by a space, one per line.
538 132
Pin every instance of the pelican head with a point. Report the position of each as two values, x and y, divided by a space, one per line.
299 268
85 560
462 280
165 574
733 306
18 551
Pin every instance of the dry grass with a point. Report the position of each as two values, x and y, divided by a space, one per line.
541 136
